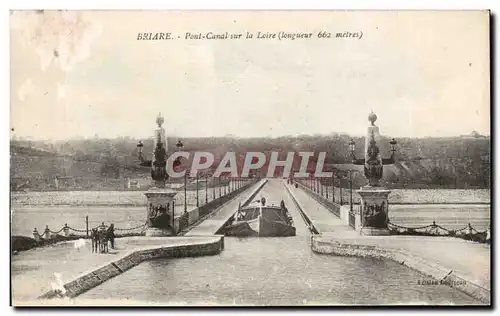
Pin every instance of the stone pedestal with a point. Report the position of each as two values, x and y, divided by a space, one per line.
160 212
374 211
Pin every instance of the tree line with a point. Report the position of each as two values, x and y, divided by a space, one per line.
455 162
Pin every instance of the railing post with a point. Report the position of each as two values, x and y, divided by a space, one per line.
174 233
326 190
333 187
213 188
46 233
341 197
36 235
206 188
66 230
197 187
350 188
185 191
87 225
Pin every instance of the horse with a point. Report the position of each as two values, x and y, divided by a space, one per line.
103 241
94 236
100 239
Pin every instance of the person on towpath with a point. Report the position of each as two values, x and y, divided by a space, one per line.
111 235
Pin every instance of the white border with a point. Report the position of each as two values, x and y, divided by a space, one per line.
193 5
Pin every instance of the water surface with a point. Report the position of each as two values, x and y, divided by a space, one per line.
274 271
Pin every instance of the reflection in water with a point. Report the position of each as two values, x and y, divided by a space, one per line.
274 271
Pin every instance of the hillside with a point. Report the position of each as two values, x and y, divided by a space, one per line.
458 162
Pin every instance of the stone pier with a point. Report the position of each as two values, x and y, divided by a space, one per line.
160 212
374 211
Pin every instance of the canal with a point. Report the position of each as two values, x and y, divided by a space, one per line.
275 271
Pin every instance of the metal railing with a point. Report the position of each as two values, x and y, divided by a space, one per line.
352 220
468 232
234 185
71 232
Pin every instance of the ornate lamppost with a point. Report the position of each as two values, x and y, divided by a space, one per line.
374 198
179 147
160 199
206 188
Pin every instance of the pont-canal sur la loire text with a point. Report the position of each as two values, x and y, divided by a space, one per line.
281 35
250 158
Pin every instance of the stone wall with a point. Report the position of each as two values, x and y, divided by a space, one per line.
96 277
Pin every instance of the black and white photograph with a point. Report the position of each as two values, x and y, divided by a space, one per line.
250 158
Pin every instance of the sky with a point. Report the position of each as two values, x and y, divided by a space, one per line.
84 73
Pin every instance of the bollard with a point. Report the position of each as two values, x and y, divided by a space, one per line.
469 229
36 235
46 233
66 230
434 229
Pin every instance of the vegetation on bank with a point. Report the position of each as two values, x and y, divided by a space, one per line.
452 162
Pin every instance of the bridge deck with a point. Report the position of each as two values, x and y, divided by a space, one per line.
323 219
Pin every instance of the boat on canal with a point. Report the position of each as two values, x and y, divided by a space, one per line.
261 220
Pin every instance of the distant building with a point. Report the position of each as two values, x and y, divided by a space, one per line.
138 183
473 135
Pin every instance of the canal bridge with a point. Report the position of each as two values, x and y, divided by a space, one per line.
321 227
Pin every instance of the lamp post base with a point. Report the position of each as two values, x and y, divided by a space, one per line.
160 205
370 231
158 232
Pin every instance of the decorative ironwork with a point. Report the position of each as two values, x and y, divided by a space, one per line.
373 162
373 167
468 232
159 216
158 164
352 220
375 215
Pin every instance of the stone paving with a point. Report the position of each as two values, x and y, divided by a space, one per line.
323 219
39 270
